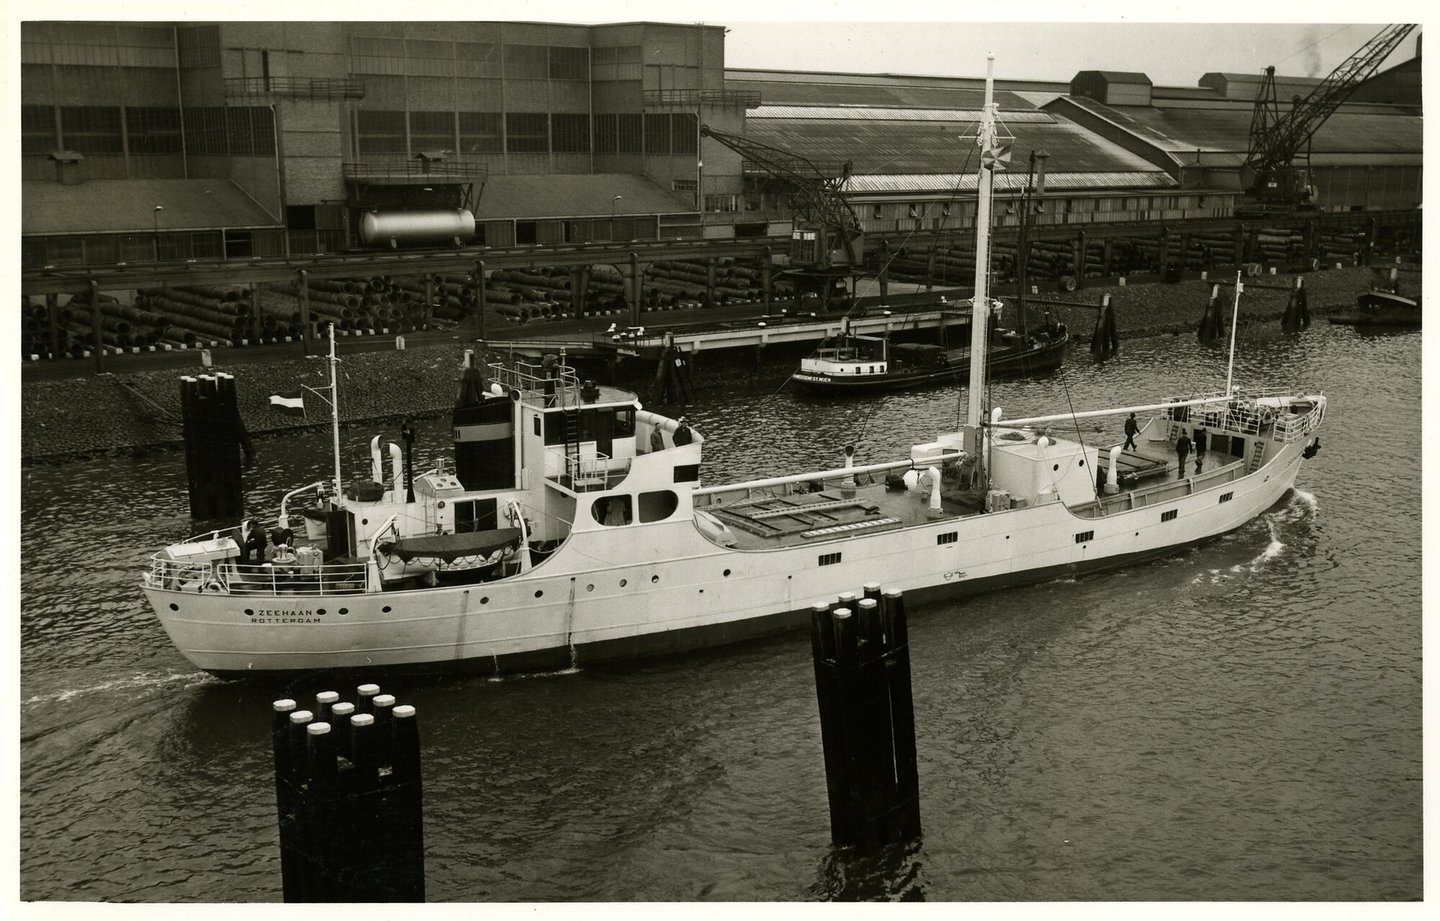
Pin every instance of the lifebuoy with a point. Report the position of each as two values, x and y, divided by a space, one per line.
214 586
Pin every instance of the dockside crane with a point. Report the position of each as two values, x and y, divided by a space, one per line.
827 243
1275 182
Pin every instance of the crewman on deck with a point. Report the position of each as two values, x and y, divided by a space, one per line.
1132 428
1199 446
1182 450
682 433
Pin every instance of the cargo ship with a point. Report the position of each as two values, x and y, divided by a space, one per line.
574 526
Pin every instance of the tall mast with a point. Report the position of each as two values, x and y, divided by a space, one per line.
1234 318
335 410
980 314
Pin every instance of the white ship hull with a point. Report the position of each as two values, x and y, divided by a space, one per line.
667 587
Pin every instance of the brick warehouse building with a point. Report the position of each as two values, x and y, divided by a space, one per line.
146 141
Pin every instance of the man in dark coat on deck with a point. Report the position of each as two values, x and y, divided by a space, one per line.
1132 428
1182 450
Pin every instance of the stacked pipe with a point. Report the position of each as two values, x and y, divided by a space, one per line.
349 799
207 319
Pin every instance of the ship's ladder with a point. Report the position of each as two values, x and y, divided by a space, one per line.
1257 454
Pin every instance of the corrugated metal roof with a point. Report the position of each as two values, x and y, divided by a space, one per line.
128 206
887 113
1006 181
920 147
1225 126
872 90
559 195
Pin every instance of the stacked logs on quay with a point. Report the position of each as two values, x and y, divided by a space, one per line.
348 796
82 416
1054 263
200 316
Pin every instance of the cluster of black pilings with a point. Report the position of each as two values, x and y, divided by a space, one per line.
348 793
214 438
862 682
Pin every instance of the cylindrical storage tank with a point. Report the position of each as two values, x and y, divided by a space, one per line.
416 226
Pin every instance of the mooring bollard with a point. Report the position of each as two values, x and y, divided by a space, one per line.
348 796
215 437
862 684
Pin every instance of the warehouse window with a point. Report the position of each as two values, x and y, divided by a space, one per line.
572 133
91 129
477 59
381 131
657 134
616 63
199 46
250 131
377 55
432 130
683 136
527 132
568 63
631 133
526 62
37 129
481 132
428 58
153 130
205 131
606 133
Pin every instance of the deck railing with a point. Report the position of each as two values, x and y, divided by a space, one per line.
271 579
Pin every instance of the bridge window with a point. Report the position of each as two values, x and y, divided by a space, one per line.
612 511
657 506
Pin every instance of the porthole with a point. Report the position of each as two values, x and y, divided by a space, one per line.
384 610
1082 462
1055 467
484 599
364 520
622 583
176 607
654 580
726 573
590 587
320 611
539 593
343 611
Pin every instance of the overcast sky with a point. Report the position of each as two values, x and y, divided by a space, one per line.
1172 54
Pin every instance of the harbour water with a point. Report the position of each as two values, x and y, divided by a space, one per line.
1241 721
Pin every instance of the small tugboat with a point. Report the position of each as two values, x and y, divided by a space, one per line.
574 526
873 364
